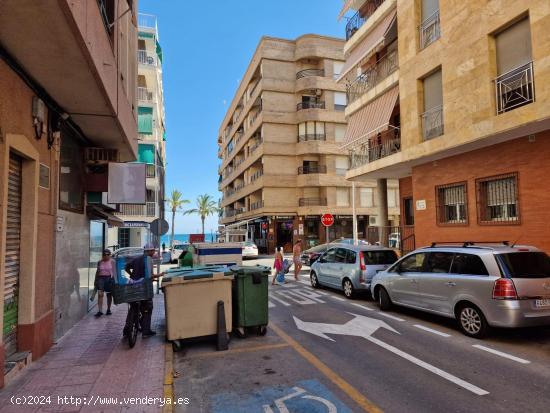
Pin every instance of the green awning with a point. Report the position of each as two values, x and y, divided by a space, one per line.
146 153
145 120
164 136
159 52
146 35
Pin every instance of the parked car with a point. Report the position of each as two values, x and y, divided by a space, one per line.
249 249
311 255
177 250
350 268
479 285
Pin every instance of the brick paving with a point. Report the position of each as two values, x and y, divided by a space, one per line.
92 360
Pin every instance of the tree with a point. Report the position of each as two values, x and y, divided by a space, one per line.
175 203
206 206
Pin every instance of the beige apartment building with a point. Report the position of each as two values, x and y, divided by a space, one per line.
470 80
279 145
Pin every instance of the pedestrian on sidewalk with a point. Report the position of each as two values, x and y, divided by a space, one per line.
278 265
104 278
141 267
296 258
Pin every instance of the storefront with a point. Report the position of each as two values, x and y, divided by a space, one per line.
343 227
284 232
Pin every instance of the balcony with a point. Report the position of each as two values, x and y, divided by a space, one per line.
384 144
256 175
372 76
255 146
515 88
146 58
256 205
150 170
432 123
310 105
312 169
310 72
359 19
305 202
144 94
430 30
312 137
148 209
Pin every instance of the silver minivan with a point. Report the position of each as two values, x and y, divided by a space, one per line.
350 268
479 285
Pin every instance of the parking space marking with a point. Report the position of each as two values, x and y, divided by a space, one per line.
390 316
363 307
501 354
338 298
430 330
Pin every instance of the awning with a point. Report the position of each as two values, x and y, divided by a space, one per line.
345 8
96 212
369 44
371 119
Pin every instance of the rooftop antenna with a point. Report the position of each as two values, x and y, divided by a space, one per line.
516 241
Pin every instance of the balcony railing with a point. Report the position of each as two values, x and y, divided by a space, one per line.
256 175
310 72
255 146
384 144
430 30
310 105
151 209
312 169
515 88
147 21
432 123
256 205
359 19
312 137
148 209
372 76
144 94
145 58
312 202
150 170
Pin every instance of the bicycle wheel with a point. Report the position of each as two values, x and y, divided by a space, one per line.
134 323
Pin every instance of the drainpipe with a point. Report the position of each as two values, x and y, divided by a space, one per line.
354 213
382 198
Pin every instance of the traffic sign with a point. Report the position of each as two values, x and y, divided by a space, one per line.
159 227
327 220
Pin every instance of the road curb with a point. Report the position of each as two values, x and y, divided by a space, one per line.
168 385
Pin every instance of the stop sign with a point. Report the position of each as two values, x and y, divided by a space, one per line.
327 220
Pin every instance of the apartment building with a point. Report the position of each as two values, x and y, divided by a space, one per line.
67 96
281 165
137 218
473 143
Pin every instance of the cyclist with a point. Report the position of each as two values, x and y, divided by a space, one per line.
138 268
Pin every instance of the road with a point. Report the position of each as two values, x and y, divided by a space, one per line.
325 353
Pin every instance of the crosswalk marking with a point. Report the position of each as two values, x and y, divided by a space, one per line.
274 297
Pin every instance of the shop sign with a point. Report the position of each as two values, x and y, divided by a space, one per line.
136 224
284 217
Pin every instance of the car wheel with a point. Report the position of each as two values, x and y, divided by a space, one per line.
314 280
349 291
384 300
471 321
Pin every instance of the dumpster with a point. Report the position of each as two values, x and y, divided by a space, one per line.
191 300
250 291
229 253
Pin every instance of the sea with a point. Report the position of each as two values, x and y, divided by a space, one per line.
185 238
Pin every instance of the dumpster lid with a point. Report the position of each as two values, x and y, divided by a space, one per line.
195 274
247 270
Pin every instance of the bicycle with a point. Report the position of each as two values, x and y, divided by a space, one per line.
134 317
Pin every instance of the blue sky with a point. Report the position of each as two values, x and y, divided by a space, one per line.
206 50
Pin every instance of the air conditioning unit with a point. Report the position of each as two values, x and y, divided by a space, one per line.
373 221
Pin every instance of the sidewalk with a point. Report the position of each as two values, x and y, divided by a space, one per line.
93 361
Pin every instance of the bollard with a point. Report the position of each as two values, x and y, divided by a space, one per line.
222 344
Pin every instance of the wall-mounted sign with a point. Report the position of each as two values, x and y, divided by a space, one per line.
60 224
136 224
421 205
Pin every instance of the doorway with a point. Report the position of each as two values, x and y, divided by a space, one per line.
284 235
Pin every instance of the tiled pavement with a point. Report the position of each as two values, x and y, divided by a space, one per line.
93 361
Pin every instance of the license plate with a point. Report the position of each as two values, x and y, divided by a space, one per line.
542 303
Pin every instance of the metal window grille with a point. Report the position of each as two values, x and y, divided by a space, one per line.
430 30
498 200
432 123
515 88
452 204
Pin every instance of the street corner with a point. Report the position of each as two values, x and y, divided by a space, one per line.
304 396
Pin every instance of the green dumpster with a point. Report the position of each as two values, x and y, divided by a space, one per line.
250 291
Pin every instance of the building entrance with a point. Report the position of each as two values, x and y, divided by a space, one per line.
284 235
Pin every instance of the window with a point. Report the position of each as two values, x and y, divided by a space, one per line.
340 133
351 257
330 255
432 118
123 237
430 29
514 83
366 197
525 264
146 153
311 131
451 204
413 263
468 264
71 174
230 147
337 69
342 165
408 209
341 255
145 120
379 257
340 101
439 262
498 200
342 197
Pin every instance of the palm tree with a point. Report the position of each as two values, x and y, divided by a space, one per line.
206 206
175 203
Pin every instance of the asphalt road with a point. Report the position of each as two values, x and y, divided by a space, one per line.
325 353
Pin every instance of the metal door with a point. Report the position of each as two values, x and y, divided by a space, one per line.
12 257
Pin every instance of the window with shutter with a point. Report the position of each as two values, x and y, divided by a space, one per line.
342 197
340 133
342 165
366 197
432 118
340 101
451 204
498 200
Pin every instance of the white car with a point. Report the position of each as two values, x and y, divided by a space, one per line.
250 249
177 250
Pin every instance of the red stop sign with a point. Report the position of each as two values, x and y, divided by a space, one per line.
327 220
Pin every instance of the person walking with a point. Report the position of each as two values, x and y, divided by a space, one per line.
104 278
296 258
278 265
142 267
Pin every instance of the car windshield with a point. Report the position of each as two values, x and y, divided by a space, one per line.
525 264
248 244
379 257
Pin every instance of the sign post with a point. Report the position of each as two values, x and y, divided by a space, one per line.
327 220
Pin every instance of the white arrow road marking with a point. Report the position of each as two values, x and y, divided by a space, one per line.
270 304
430 330
501 354
362 326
